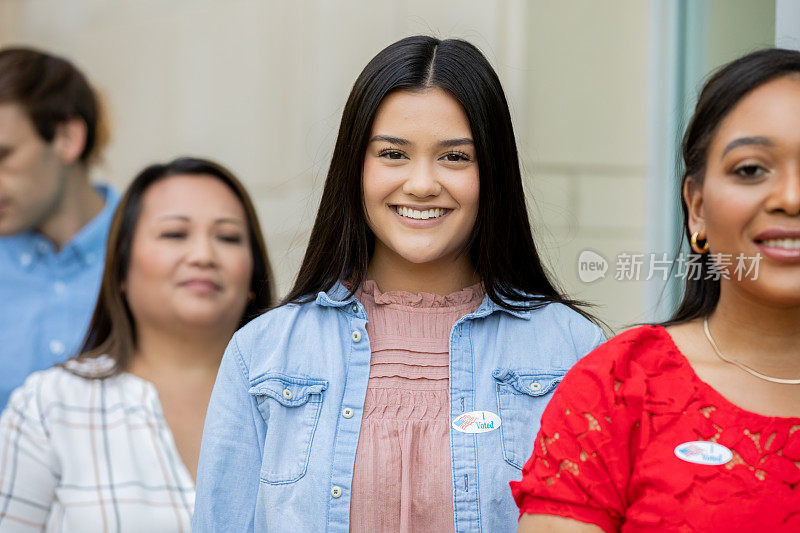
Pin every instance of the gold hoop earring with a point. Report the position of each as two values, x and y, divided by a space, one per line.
696 247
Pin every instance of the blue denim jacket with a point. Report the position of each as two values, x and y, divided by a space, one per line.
282 427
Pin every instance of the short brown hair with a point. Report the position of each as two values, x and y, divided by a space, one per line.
112 330
51 90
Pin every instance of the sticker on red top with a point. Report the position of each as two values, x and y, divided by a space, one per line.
476 422
702 452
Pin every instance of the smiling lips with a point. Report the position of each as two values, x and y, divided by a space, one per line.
780 244
420 214
202 285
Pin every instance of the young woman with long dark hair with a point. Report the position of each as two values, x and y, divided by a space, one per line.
694 425
396 386
109 441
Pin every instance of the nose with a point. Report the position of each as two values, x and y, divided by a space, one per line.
785 193
202 252
422 181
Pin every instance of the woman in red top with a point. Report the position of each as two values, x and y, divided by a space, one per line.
695 425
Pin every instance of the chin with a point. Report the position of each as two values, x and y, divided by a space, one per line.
782 295
207 319
423 253
422 257
7 229
784 299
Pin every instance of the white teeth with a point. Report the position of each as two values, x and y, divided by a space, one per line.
419 215
790 244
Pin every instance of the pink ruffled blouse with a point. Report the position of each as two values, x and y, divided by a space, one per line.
402 479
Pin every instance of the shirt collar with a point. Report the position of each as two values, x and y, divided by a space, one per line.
337 296
88 244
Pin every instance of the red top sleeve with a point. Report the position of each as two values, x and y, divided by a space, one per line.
582 458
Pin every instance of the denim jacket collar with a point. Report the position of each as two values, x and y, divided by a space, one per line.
337 296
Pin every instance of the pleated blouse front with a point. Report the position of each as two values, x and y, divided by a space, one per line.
402 479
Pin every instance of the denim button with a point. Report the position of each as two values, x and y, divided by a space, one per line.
536 386
336 491
356 336
355 308
347 412
287 394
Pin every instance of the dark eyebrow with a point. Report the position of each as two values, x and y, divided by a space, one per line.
391 140
449 143
184 218
405 142
229 221
745 141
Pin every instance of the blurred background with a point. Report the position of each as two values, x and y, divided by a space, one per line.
599 92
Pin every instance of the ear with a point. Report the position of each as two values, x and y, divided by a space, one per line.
693 197
70 140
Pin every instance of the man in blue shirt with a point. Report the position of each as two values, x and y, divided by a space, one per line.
53 222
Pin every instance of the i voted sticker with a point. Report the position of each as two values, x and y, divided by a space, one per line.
703 453
477 422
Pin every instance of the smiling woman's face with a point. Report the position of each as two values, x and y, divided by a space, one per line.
191 263
749 201
420 177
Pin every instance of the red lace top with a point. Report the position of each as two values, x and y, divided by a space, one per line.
610 440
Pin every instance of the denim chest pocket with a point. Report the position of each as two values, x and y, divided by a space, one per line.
522 396
290 407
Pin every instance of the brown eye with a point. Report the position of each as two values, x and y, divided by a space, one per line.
455 157
235 239
750 171
391 154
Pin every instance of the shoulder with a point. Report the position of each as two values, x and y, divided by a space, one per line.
273 322
640 345
566 319
291 326
45 388
560 324
629 364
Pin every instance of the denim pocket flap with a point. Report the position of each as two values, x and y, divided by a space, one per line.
290 391
530 382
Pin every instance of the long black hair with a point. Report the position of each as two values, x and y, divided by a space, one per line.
501 245
721 93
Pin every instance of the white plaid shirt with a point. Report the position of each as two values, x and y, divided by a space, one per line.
79 454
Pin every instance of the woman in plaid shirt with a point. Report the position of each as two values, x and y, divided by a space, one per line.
109 441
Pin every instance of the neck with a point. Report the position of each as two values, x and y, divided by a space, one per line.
163 354
79 204
760 336
444 276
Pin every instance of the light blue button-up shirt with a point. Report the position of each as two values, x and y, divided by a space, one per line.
47 297
282 427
